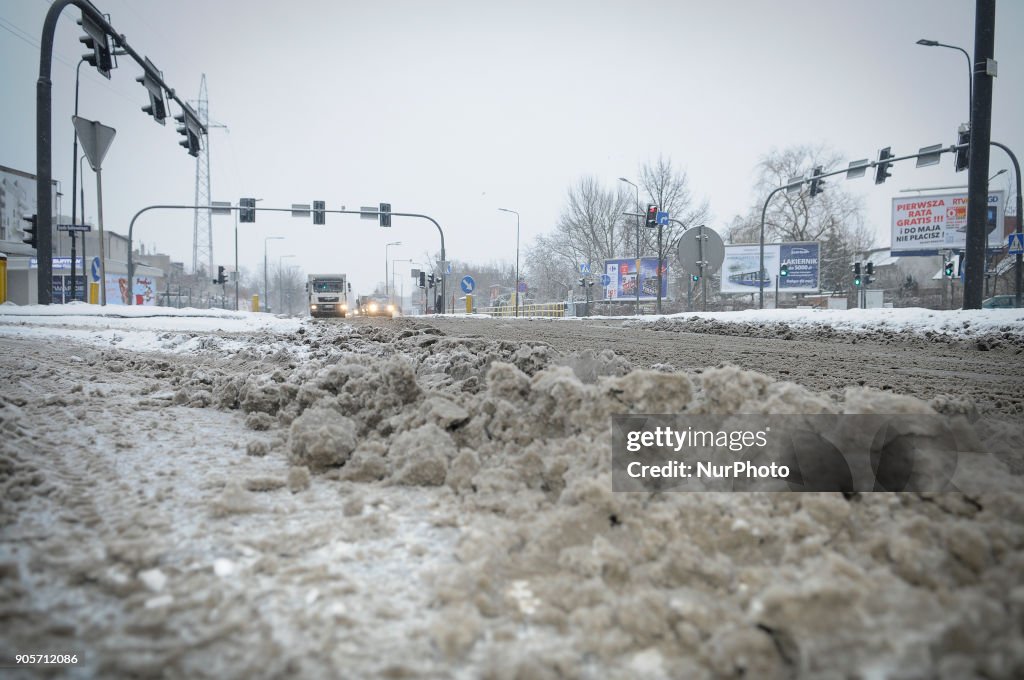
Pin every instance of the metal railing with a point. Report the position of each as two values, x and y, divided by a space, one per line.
548 309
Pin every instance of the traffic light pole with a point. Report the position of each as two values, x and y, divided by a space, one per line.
234 208
977 170
1016 170
44 130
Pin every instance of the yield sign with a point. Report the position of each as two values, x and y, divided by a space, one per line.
95 138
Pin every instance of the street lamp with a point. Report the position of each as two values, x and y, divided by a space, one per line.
401 297
387 292
637 282
266 288
517 256
280 281
970 70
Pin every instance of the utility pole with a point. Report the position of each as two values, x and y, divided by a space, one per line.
202 225
981 135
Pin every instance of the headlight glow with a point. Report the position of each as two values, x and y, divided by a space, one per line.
312 307
373 306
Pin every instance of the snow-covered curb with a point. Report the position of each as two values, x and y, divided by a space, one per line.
956 323
139 328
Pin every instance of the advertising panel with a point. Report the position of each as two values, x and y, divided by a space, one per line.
144 290
18 200
926 225
739 270
804 267
623 279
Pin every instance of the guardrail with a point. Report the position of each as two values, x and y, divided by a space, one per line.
549 309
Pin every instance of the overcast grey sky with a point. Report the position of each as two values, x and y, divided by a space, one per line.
457 108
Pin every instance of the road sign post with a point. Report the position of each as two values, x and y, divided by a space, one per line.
96 138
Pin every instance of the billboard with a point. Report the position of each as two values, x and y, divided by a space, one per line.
144 290
740 268
623 279
926 225
17 200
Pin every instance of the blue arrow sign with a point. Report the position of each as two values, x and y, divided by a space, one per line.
95 269
584 268
1015 244
467 284
662 218
605 280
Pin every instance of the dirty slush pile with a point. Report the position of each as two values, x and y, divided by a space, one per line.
1005 338
554 575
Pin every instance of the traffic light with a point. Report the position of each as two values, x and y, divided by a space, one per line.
948 271
98 41
157 105
221 276
694 278
652 216
191 129
856 273
431 280
882 169
247 210
422 283
817 184
784 269
30 231
319 214
963 140
385 214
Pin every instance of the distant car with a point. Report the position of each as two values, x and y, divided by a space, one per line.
377 307
999 302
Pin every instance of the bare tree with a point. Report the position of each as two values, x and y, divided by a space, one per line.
835 218
669 188
591 229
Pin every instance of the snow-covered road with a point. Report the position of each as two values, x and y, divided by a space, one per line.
243 496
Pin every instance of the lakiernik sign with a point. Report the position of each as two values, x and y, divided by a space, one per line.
926 225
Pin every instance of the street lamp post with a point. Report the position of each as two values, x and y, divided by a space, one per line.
970 70
516 293
387 291
636 284
280 281
266 287
401 296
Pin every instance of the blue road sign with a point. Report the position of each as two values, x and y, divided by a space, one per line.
584 268
95 269
605 280
467 284
522 286
662 218
1015 243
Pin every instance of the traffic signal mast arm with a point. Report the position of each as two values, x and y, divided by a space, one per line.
150 71
873 164
131 225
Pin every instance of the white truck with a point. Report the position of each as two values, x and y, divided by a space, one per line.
328 294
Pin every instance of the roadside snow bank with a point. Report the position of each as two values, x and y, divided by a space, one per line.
987 328
139 329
